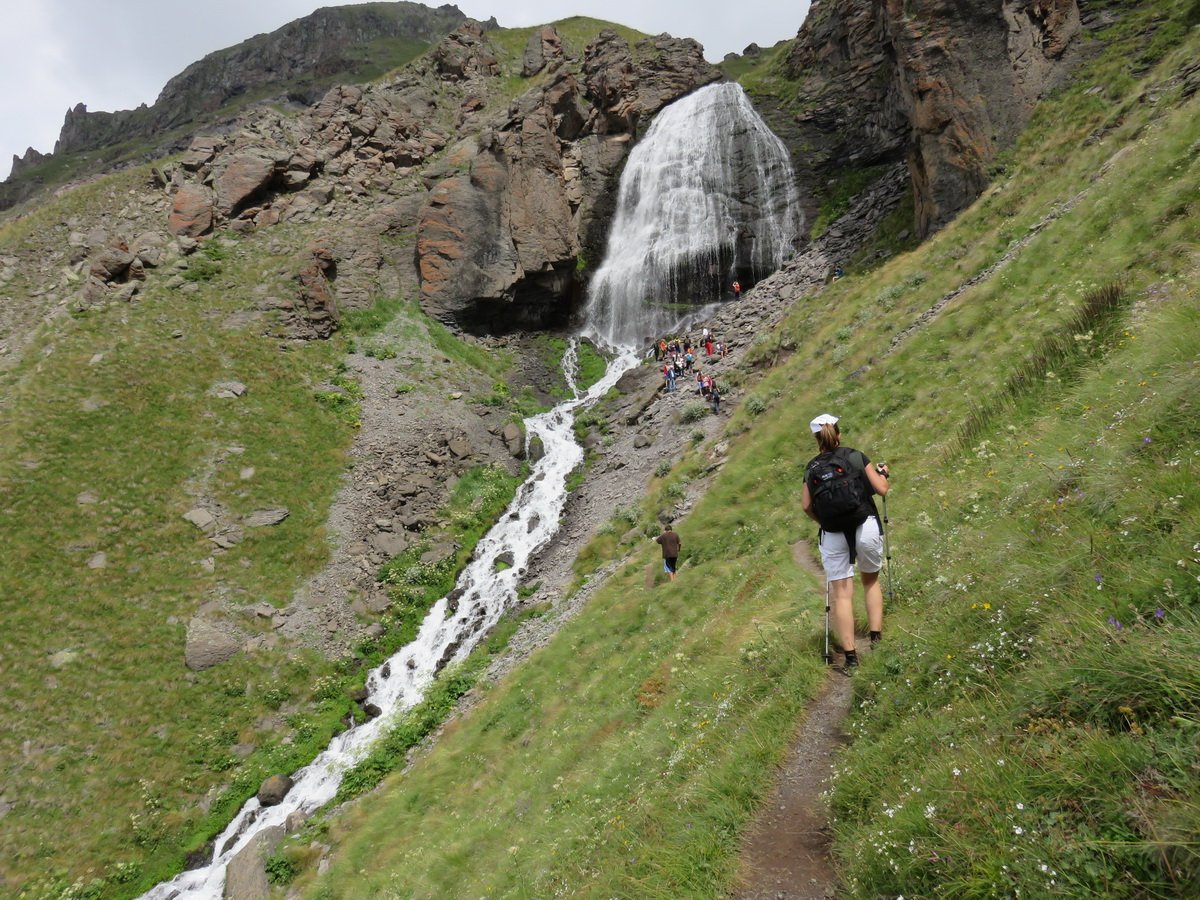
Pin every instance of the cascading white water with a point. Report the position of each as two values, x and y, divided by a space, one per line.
707 194
528 523
709 191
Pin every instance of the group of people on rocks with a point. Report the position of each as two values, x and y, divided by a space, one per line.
678 358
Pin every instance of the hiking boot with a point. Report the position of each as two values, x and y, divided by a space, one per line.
876 637
851 663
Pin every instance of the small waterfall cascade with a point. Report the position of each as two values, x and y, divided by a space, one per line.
399 684
707 197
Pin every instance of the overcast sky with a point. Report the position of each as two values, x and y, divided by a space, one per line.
115 54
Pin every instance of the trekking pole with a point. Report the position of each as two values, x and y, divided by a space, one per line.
887 550
828 655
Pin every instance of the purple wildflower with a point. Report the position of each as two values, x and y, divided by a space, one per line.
1099 578
1160 613
1147 440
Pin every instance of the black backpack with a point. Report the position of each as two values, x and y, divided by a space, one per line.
840 497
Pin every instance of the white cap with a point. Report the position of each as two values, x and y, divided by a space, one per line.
822 419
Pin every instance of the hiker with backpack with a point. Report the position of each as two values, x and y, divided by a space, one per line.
838 486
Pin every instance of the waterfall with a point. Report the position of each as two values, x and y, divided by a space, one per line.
706 197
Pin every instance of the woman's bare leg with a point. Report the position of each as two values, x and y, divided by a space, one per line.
874 592
841 596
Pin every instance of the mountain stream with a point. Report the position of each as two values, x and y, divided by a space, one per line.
708 193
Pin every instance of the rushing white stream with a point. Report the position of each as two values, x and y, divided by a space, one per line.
706 196
707 193
529 522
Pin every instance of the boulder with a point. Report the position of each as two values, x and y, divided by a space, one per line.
272 791
191 211
514 439
227 390
209 645
201 518
439 553
543 46
246 874
388 543
112 264
262 518
537 449
243 177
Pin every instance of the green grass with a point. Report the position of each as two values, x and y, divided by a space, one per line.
1030 721
140 431
1031 716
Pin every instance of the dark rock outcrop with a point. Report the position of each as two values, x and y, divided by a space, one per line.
298 58
499 245
944 85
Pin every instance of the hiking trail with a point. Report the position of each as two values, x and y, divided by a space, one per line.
785 851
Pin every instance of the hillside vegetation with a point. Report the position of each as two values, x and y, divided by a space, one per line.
1030 722
113 425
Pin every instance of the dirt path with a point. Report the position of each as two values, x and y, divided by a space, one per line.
786 851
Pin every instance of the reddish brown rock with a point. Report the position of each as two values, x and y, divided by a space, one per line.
191 211
243 178
112 264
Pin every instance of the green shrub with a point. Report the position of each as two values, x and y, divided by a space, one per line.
755 405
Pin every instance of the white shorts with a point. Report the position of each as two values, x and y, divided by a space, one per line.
868 546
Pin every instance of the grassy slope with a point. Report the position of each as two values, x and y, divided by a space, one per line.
120 739
626 757
85 741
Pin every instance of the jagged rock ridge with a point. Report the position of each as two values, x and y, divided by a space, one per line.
297 62
506 197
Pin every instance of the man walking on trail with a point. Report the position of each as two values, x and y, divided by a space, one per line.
670 549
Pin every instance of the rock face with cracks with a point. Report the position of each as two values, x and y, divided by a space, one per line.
501 239
942 85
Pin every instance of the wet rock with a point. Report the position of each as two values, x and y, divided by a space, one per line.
272 791
246 874
537 449
372 711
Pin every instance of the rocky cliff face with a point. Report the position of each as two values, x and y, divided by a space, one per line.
942 84
501 241
297 63
507 197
